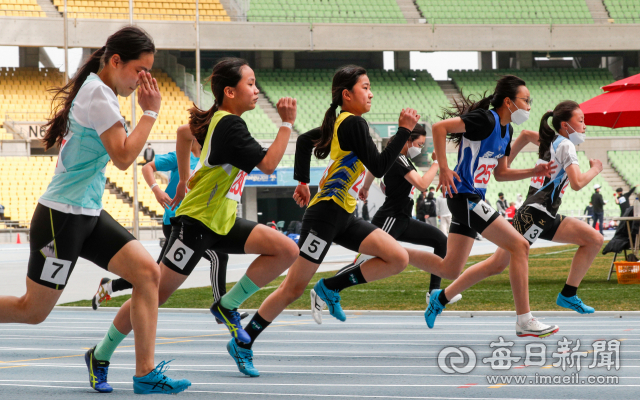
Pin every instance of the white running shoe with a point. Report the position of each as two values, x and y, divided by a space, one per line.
317 305
455 299
103 294
536 328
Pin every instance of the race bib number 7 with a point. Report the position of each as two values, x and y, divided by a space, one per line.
483 172
235 192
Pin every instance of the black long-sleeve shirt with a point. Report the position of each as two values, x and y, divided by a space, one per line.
598 202
624 204
353 135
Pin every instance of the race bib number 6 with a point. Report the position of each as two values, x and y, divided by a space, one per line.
483 172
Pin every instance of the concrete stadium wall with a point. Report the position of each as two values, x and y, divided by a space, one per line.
22 31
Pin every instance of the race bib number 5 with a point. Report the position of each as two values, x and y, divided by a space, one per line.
313 246
484 210
483 172
355 189
235 192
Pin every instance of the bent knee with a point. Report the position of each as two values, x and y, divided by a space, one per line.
146 274
519 247
398 259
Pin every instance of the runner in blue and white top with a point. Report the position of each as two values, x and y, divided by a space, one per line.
483 136
69 221
538 217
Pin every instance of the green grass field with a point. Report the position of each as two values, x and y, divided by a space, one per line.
548 269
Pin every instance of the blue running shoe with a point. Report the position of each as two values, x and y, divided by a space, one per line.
574 303
434 309
157 382
98 371
331 298
243 358
231 318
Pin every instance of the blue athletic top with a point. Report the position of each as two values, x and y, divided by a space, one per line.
78 184
169 163
478 158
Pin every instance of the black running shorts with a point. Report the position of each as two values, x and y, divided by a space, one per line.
190 239
326 222
470 214
406 229
534 224
57 240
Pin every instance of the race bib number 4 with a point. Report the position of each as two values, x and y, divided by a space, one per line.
484 210
483 172
235 192
355 189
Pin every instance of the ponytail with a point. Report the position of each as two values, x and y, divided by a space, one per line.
546 134
562 113
129 43
226 73
506 86
344 79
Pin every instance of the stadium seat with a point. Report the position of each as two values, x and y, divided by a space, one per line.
623 11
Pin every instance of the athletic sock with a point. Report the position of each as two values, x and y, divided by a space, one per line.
442 298
240 292
120 284
569 291
345 280
524 318
105 349
253 329
434 283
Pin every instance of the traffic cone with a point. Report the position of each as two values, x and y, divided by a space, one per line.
18 242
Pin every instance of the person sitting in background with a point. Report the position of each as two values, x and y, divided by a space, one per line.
501 204
511 211
623 199
519 201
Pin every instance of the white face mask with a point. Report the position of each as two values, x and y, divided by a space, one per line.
519 116
413 152
576 137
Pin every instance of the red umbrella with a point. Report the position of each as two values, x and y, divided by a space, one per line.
626 82
616 109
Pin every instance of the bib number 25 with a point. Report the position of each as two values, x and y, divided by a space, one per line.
483 173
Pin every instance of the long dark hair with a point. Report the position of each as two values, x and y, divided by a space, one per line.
226 73
506 86
562 113
129 43
345 78
417 131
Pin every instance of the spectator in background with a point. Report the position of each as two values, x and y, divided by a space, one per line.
148 154
365 211
501 204
598 208
510 212
623 199
430 210
1 212
589 211
443 213
519 201
420 214
432 190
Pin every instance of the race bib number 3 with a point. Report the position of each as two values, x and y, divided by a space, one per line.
355 189
313 246
533 233
179 254
235 192
55 271
483 172
484 210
